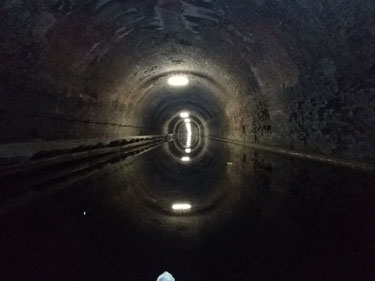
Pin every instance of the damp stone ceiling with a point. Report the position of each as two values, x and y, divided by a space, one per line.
297 75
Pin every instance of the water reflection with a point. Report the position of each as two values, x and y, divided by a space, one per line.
262 217
185 159
181 206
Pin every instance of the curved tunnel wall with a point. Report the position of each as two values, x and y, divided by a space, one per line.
295 75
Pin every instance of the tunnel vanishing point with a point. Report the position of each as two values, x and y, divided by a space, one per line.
215 139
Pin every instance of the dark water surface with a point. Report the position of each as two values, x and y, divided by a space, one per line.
255 216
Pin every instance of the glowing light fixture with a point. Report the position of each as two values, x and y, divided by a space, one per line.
185 159
188 150
184 115
189 133
181 206
178 80
187 120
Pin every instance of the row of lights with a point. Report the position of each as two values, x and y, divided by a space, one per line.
179 81
187 121
185 115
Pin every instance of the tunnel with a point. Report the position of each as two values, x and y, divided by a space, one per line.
213 139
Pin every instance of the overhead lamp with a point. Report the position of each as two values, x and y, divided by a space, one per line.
188 150
187 120
189 134
178 80
184 115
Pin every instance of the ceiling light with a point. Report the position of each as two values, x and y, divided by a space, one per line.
184 115
187 120
188 150
185 159
181 207
189 133
178 80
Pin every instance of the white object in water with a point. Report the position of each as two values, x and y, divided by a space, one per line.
166 276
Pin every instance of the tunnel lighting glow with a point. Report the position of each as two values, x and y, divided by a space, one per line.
188 150
178 80
185 159
181 207
187 120
184 115
188 139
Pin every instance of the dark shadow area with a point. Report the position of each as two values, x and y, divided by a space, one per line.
255 216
